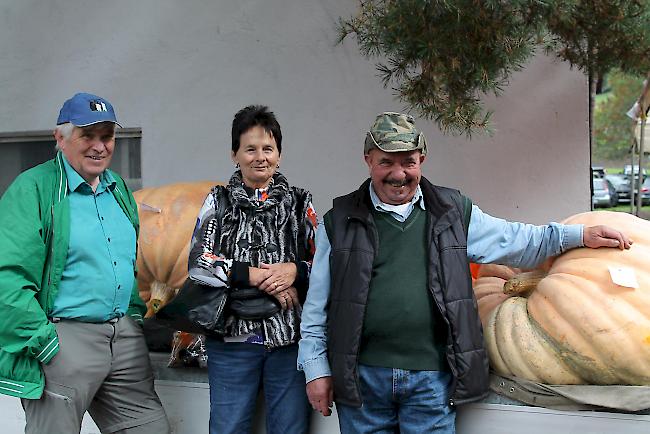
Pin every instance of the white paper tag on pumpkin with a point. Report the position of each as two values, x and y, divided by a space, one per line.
624 276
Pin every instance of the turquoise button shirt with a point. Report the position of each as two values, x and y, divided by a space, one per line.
98 276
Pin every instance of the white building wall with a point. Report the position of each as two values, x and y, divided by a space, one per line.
180 70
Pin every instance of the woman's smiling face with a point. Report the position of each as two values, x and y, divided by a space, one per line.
258 157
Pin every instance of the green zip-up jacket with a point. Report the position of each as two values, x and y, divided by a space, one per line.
34 237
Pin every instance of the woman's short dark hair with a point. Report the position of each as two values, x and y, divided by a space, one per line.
252 116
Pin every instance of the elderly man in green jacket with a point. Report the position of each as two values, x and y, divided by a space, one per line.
71 339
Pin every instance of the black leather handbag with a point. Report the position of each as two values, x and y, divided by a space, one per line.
199 305
252 303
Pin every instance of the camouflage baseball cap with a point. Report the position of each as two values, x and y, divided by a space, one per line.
395 132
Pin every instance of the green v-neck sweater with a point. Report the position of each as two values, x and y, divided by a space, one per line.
402 326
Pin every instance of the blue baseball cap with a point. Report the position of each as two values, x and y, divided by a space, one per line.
85 109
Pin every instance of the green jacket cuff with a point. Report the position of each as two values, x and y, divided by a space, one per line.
49 351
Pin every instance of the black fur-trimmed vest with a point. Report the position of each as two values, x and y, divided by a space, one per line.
354 240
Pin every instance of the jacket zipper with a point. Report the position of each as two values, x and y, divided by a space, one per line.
452 366
375 241
222 304
51 262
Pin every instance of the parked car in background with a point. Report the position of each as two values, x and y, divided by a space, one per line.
597 172
622 185
604 193
645 192
636 184
627 170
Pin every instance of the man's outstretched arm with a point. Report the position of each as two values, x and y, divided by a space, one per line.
495 240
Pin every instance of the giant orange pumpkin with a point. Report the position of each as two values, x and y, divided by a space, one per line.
572 324
167 218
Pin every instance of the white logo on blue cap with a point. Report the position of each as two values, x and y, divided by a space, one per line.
98 106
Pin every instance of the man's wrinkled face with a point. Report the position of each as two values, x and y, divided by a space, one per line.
89 149
395 175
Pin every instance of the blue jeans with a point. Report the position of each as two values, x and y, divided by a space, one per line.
400 401
236 371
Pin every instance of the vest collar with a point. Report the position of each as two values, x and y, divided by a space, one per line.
443 212
362 206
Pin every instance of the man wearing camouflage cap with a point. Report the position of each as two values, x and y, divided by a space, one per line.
390 328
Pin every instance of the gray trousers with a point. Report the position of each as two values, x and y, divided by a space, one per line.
103 369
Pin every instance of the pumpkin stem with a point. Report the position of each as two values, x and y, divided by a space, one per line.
161 294
523 282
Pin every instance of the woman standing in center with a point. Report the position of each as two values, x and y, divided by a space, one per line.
263 229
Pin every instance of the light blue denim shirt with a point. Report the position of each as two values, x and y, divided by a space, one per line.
98 276
489 240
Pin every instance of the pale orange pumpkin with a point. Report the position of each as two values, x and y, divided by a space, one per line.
571 324
167 218
488 287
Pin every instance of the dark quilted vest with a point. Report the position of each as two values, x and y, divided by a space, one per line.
353 236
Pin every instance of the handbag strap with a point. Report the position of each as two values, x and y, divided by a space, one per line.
221 203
